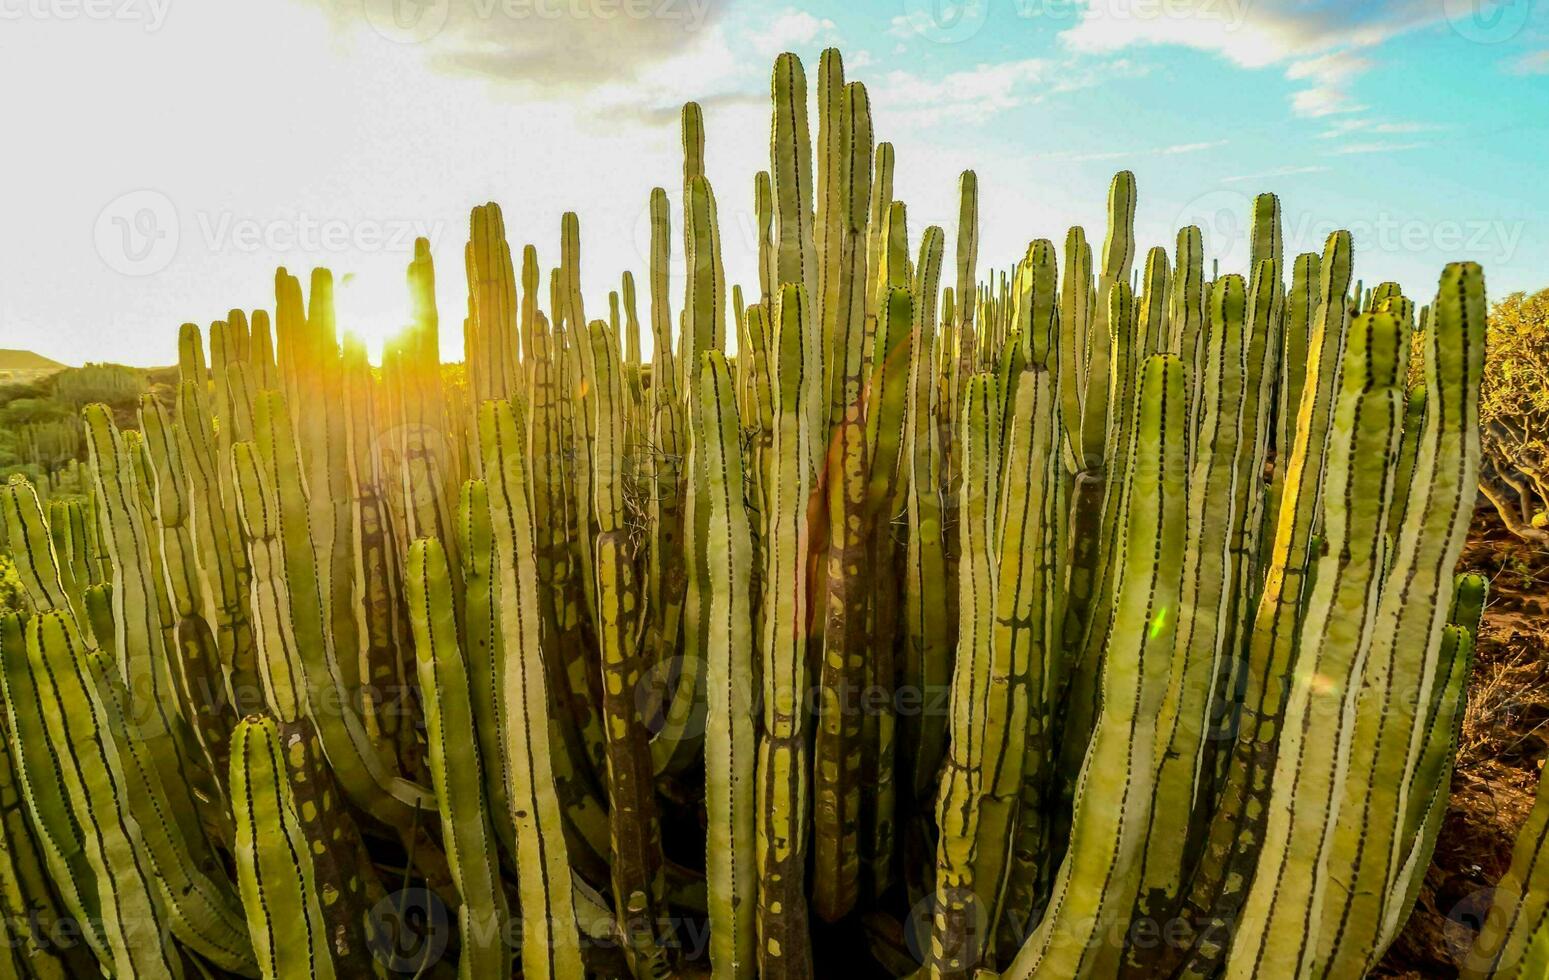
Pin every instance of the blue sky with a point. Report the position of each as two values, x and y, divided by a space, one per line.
163 156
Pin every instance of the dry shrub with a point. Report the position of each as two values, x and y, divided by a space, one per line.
1514 414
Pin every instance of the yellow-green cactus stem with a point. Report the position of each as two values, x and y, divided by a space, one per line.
456 765
274 865
784 944
1114 787
730 746
550 942
1273 933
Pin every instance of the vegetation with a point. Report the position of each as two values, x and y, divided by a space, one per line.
40 430
1514 411
1066 623
110 384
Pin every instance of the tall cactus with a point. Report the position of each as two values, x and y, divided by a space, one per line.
551 945
964 629
783 779
1336 638
730 739
1108 825
456 764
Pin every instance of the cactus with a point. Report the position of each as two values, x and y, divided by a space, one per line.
456 763
1512 941
551 945
729 742
274 866
1367 417
783 779
1110 809
977 628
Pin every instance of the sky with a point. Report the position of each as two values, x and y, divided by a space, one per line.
160 158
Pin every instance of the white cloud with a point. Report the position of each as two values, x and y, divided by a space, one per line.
1072 156
1331 68
1315 103
1251 33
970 95
794 29
1277 172
1318 43
1169 151
1378 146
1329 74
1211 25
1532 63
976 94
919 23
1366 127
906 26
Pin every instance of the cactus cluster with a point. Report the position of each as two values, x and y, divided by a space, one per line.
1070 620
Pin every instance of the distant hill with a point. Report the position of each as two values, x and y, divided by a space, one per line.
26 360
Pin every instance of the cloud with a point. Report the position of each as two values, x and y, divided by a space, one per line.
1315 103
970 95
1366 134
1069 156
1378 146
668 112
1277 172
905 27
548 48
1345 127
1319 43
1169 151
918 22
1329 74
1532 63
976 94
794 29
620 61
1251 33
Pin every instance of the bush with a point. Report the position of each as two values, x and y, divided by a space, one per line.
1514 414
112 384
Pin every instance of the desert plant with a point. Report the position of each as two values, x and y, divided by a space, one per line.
112 384
1513 939
991 630
1514 413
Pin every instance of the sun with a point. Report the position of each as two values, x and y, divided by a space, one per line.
371 299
